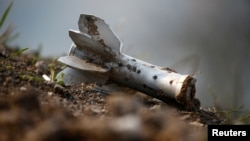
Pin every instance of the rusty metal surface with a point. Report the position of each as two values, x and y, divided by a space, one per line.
96 44
99 31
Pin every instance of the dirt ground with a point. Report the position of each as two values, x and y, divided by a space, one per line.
32 109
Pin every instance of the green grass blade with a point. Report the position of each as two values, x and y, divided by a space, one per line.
5 14
19 52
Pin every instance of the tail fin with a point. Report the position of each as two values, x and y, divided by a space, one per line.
84 42
80 64
99 32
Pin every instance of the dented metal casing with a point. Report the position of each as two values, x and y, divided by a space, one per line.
97 52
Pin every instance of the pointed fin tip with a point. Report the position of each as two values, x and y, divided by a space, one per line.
80 64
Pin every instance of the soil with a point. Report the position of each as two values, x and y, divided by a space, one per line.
33 109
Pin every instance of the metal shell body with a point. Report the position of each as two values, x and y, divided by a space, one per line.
96 52
152 80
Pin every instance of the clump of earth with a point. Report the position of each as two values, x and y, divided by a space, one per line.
33 109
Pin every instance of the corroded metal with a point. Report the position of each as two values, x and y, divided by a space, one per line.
97 52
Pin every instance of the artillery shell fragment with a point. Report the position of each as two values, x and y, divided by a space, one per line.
96 51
